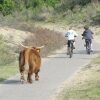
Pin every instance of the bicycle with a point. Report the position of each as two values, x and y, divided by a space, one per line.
70 49
88 46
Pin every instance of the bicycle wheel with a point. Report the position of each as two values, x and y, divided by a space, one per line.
71 50
88 47
70 53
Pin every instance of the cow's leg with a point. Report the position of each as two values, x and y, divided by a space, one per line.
21 66
29 79
36 75
22 79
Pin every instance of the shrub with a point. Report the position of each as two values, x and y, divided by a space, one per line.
6 55
51 39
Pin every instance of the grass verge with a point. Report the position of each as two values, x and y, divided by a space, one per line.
7 71
85 85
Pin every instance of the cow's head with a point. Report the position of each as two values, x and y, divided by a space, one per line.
37 49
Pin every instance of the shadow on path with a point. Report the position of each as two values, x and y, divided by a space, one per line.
10 82
84 52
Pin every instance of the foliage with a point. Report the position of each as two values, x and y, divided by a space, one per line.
6 55
52 2
7 6
71 4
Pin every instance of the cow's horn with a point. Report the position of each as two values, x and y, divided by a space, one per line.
40 47
29 46
25 46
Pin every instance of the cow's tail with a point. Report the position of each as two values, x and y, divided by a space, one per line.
26 66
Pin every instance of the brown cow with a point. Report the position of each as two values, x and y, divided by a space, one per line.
29 63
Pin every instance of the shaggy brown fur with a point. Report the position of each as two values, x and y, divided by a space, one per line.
29 63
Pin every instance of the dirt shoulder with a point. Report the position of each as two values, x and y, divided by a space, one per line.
97 38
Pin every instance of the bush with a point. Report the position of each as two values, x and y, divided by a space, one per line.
51 39
6 55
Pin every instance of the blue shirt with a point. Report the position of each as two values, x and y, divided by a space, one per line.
88 34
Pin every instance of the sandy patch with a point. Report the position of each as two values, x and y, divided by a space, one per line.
97 38
13 34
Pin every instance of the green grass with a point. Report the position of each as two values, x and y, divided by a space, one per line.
91 92
96 60
7 71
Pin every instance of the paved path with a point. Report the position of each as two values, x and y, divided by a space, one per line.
54 71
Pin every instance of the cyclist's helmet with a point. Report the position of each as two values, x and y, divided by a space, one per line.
86 27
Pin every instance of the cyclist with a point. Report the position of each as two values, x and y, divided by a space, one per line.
88 35
70 34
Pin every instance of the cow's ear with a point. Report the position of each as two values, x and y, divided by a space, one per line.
38 50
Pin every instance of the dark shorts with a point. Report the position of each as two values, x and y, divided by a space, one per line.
68 43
